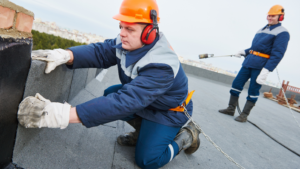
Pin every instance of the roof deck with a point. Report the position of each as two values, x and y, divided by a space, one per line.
79 147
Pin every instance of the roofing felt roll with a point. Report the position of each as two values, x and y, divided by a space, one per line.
15 59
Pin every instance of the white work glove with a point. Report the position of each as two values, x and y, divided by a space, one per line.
37 112
53 58
240 54
262 77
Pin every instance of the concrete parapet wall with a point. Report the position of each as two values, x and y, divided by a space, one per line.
60 85
229 79
54 86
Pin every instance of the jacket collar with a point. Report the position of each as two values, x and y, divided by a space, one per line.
272 27
136 55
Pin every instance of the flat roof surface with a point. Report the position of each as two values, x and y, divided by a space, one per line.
79 147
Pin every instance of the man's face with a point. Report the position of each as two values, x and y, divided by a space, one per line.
272 19
130 34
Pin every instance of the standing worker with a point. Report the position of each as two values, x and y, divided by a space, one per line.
152 97
267 50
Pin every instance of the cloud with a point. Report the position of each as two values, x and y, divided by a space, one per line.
52 5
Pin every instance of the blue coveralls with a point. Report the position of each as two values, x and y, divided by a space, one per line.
153 81
272 40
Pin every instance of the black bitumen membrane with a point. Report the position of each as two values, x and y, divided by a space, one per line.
15 58
79 147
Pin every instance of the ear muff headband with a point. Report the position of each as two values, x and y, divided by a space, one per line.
150 32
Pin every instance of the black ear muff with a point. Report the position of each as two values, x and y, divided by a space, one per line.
151 31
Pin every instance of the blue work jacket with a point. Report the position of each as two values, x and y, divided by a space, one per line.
152 77
272 40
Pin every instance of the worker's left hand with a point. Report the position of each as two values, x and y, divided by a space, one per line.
262 77
37 112
53 58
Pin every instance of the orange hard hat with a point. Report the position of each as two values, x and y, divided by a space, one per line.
137 11
276 10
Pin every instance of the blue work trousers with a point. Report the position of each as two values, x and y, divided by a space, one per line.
155 145
240 80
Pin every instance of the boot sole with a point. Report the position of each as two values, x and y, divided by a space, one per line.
195 134
193 148
226 113
242 118
243 121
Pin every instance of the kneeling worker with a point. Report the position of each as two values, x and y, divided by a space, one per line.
267 50
151 98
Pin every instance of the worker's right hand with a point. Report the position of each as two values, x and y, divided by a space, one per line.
240 54
53 58
37 112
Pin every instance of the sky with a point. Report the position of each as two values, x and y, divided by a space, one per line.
192 27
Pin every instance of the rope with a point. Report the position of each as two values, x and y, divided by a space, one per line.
286 99
209 139
239 110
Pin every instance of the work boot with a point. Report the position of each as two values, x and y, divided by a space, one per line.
243 116
130 139
188 139
231 106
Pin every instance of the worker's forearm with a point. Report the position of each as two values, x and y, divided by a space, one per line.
73 116
70 62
